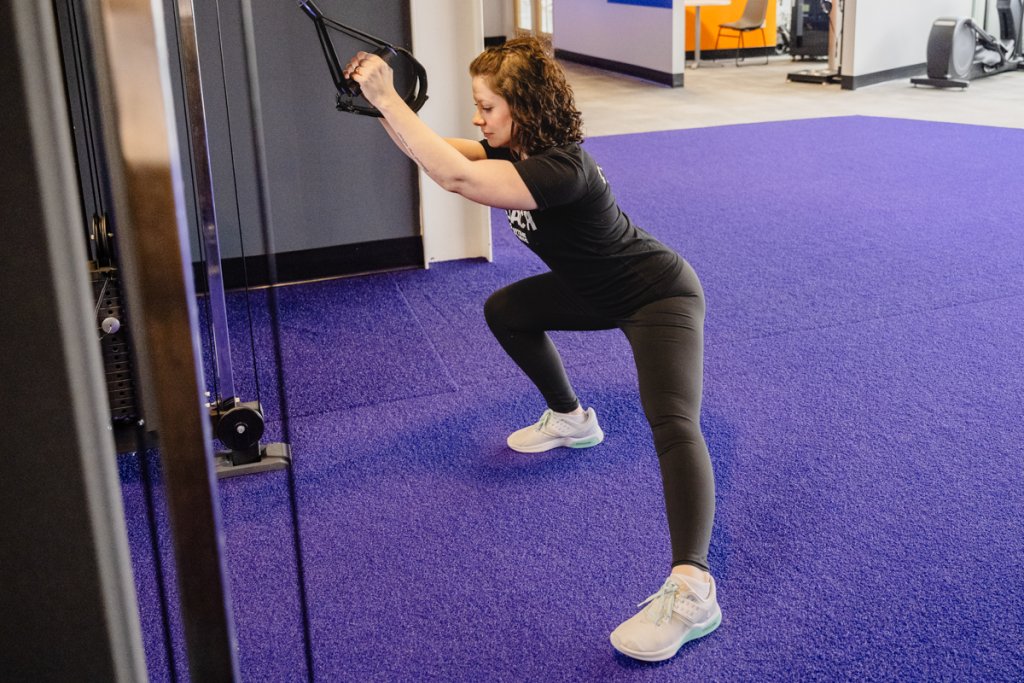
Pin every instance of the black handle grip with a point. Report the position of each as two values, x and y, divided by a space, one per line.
347 88
385 53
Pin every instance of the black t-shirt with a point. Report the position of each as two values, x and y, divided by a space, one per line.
581 234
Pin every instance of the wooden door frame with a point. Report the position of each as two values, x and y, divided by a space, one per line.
535 14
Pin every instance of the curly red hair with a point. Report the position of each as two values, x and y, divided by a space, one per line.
543 108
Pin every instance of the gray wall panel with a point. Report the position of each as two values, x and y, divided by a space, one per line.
333 179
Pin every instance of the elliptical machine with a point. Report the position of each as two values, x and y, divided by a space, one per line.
960 51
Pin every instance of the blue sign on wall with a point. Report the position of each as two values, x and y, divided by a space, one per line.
667 4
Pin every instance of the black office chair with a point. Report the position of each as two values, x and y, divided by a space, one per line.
754 15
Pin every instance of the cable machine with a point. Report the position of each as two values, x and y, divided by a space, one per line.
833 73
153 247
104 269
238 424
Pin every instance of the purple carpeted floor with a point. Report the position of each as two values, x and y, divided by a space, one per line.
863 406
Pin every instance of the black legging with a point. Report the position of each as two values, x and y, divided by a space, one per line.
667 338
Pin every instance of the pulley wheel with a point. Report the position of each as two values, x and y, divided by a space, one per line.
240 428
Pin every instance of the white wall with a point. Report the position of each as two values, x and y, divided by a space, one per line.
498 19
648 37
879 35
446 36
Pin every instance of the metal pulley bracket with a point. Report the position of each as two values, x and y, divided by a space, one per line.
240 426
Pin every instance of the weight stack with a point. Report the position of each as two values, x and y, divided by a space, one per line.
117 357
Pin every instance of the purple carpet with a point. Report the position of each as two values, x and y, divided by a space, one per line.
863 408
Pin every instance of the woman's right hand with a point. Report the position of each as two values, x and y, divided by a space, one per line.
374 76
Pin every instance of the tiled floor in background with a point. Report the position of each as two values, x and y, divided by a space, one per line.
725 94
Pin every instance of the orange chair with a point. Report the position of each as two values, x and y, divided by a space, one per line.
753 19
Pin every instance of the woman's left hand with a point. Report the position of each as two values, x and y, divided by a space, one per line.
374 76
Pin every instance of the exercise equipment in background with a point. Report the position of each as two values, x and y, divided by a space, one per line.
808 34
833 11
960 51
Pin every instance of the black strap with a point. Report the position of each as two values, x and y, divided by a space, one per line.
348 89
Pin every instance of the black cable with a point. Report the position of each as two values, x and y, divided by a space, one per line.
268 245
88 132
210 342
238 212
99 297
99 242
154 545
355 33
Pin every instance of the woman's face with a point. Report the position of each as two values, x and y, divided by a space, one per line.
493 115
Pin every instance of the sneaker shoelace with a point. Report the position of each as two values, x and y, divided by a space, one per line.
666 601
559 426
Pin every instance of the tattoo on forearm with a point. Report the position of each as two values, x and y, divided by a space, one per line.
408 149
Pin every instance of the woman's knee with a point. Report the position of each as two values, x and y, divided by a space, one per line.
678 434
506 310
496 309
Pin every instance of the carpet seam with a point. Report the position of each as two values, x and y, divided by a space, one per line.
423 330
894 316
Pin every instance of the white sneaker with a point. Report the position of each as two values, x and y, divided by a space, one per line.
554 430
674 615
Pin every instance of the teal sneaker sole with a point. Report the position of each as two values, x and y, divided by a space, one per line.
670 652
700 633
587 443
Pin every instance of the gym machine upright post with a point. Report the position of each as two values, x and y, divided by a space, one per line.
239 425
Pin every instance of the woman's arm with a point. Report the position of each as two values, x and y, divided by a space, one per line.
487 181
471 149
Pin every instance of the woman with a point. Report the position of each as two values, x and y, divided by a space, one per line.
605 273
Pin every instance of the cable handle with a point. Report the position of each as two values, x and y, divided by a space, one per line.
351 88
346 87
415 98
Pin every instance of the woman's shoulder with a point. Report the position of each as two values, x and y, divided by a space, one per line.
571 154
570 149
